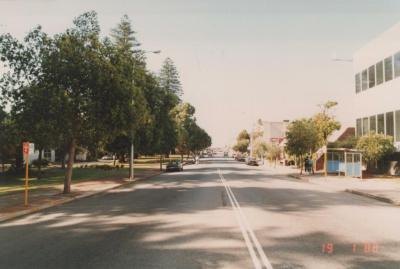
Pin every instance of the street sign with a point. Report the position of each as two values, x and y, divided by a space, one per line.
25 149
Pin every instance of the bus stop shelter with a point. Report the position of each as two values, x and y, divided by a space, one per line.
342 161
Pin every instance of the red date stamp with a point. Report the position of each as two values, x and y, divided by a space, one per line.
362 248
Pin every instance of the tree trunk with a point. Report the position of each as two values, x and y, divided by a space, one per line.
96 153
40 162
18 158
68 173
181 157
63 162
275 163
3 166
161 159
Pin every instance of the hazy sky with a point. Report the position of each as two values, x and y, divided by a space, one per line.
238 60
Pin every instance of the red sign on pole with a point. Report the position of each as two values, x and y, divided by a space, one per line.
25 149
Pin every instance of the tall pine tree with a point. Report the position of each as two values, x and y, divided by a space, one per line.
169 78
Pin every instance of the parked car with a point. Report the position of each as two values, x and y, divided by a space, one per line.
174 166
240 158
107 157
252 162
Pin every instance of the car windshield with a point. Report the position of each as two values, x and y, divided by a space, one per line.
200 134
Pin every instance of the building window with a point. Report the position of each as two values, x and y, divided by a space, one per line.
372 124
397 125
364 80
358 83
47 155
371 76
358 127
389 124
379 73
381 124
365 127
397 64
388 69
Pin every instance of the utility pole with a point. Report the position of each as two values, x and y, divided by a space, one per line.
131 160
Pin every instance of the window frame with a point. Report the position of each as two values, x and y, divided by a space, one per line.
357 78
364 82
382 73
378 130
387 125
371 124
385 64
371 75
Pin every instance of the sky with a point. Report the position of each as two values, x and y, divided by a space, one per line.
239 61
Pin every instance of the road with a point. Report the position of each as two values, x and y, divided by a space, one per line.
219 214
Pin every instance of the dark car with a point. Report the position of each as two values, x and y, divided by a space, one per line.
240 159
252 162
174 166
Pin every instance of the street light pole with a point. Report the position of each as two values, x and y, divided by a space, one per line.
131 160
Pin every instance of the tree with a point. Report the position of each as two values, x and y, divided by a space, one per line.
124 35
119 146
242 142
302 138
198 139
8 138
325 122
33 115
260 148
93 94
169 78
274 152
26 92
183 114
375 147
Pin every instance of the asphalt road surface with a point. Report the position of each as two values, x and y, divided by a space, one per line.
219 214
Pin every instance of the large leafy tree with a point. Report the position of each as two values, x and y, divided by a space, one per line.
302 138
8 137
23 88
86 85
242 142
183 114
198 139
34 116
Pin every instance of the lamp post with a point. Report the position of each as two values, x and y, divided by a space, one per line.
131 160
334 59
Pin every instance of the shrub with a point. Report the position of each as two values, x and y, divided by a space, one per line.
43 163
375 147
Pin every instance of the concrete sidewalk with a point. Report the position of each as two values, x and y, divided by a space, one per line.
12 206
382 189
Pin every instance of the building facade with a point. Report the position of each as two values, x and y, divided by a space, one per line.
377 86
47 154
272 131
